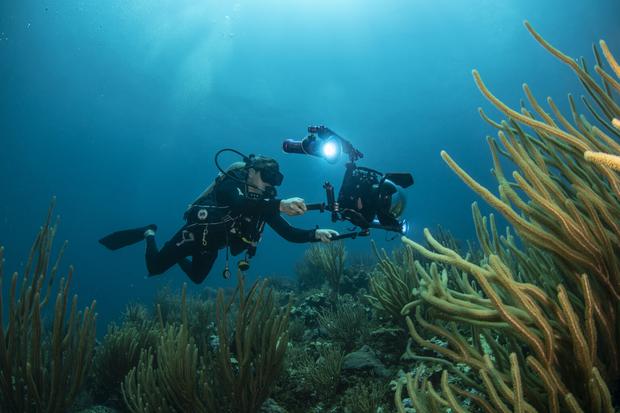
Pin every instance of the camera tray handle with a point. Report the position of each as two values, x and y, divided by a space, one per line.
331 204
321 207
352 235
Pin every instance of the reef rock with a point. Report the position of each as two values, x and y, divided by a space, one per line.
309 309
365 359
354 280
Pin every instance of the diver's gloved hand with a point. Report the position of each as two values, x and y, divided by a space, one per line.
293 206
325 235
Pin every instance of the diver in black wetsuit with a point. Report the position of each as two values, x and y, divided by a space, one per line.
230 214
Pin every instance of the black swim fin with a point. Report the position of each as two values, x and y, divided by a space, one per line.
120 239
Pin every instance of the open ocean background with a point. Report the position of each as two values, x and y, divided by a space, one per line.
117 108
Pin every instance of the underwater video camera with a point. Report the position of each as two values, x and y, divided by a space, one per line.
367 198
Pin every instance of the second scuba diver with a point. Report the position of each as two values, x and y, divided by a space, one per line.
230 214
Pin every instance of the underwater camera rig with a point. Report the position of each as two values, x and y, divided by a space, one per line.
367 198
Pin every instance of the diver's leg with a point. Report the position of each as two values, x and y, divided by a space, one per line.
200 265
185 264
173 251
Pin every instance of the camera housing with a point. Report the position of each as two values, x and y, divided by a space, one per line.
367 198
370 199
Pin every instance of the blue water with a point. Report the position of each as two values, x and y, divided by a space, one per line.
117 107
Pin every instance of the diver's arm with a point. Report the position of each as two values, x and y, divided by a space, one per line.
288 232
229 193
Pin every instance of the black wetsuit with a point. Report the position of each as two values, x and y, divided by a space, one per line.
239 226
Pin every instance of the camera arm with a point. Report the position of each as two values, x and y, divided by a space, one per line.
331 205
323 132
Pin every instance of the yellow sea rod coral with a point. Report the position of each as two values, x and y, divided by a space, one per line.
601 158
610 58
46 344
536 318
606 159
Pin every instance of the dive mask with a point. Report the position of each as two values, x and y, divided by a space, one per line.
272 176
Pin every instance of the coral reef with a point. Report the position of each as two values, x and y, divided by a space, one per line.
329 361
119 353
526 320
322 374
364 397
394 283
236 371
346 324
136 314
260 339
200 312
42 370
323 263
174 381
535 320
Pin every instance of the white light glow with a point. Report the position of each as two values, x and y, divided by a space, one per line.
330 149
404 229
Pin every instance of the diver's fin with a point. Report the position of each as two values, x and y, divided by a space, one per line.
120 239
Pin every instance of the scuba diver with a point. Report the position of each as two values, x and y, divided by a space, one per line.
230 214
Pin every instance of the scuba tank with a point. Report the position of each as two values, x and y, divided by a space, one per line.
240 232
198 212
